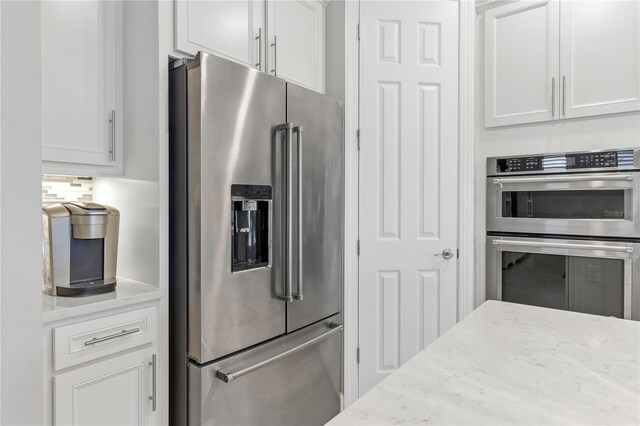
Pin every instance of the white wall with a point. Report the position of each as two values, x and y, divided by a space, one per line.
602 132
21 392
137 195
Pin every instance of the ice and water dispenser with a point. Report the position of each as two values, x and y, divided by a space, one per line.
250 223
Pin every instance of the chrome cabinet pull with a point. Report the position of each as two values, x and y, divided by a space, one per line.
288 277
298 295
578 178
564 95
627 248
111 336
154 381
275 56
229 376
259 39
553 96
112 147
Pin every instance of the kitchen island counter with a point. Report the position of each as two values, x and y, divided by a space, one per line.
514 364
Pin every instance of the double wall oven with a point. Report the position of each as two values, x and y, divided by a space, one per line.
563 231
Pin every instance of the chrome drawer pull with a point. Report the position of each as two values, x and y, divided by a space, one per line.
111 336
154 378
564 94
259 40
112 147
229 376
275 57
553 96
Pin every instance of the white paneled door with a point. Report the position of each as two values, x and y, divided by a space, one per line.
408 180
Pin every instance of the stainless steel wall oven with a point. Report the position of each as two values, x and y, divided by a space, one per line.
563 231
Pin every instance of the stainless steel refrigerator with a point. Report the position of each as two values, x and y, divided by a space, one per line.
256 248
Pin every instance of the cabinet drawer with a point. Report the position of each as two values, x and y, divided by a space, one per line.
77 343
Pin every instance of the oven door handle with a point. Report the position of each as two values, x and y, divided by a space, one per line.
627 248
551 179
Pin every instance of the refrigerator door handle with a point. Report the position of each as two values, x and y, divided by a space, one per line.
298 294
288 212
230 376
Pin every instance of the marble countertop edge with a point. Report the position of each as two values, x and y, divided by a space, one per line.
128 292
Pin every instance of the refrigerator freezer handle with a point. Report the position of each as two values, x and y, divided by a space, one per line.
229 376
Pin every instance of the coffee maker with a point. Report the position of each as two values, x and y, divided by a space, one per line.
80 248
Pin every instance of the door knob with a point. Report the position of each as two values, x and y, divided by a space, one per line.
446 254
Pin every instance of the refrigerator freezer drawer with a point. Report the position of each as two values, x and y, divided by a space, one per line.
293 380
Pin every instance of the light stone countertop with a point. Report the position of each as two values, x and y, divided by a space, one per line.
127 293
514 364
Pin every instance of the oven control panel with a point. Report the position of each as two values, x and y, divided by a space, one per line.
519 164
565 162
591 160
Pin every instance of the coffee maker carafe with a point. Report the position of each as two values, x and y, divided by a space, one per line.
80 245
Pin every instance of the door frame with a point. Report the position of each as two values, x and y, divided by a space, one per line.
466 168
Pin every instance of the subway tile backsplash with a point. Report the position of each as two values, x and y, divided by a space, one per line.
58 189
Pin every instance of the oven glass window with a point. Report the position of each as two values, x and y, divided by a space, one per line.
581 284
587 204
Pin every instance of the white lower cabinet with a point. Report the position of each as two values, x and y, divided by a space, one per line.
102 369
117 391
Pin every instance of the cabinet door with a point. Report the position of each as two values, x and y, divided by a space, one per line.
521 63
230 29
296 41
600 57
81 84
112 392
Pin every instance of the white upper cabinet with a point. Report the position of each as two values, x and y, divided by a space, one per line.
600 60
281 37
548 60
81 54
296 41
233 30
521 63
